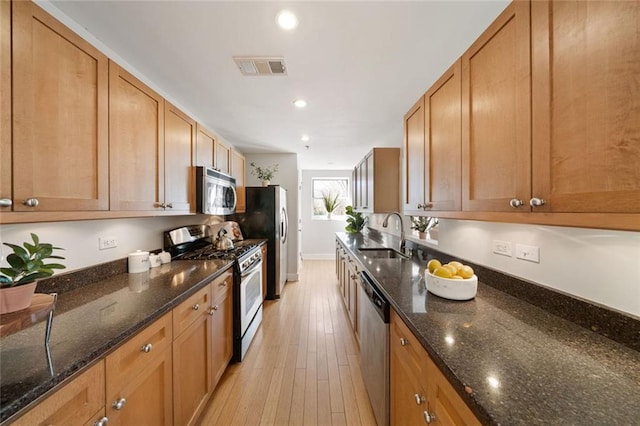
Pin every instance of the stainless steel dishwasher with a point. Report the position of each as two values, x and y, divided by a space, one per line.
373 323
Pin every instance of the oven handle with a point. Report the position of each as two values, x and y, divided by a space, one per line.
253 268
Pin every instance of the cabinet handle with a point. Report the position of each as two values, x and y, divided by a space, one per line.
353 276
102 422
196 307
5 202
403 341
119 404
425 206
147 348
160 205
169 206
31 202
536 202
428 418
515 203
213 309
419 399
223 284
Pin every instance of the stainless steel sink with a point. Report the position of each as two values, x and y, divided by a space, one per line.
381 253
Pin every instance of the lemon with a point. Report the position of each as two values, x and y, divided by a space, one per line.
443 272
456 277
433 265
456 265
466 272
452 268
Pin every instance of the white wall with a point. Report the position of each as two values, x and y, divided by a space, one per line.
80 238
318 236
287 177
600 266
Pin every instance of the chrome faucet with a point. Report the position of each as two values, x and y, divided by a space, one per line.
385 223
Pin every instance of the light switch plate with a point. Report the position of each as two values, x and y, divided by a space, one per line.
528 253
502 247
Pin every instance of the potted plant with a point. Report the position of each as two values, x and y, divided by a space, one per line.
420 223
265 174
331 202
355 221
26 265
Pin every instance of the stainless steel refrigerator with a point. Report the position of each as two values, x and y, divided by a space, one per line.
266 217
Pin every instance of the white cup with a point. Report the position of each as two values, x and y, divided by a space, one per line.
138 261
154 260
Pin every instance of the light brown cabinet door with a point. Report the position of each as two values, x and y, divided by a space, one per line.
238 171
222 332
413 172
443 143
6 193
192 360
205 143
78 402
586 106
363 202
496 114
179 142
60 113
222 157
136 140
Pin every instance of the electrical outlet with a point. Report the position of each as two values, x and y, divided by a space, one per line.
502 247
529 253
107 243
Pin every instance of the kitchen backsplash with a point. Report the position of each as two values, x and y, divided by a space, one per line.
600 266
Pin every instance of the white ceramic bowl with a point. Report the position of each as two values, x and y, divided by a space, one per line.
452 289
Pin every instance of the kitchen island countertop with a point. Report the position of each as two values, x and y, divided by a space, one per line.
513 363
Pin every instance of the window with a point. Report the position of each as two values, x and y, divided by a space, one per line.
331 189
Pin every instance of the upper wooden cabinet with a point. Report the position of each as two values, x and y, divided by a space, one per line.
6 193
378 181
60 115
222 157
238 171
433 148
205 143
496 114
179 144
586 106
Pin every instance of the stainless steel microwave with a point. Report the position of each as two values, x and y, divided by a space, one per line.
215 192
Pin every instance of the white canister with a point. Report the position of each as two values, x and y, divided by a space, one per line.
138 261
165 257
154 260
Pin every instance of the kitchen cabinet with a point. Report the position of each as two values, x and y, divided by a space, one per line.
179 144
192 348
6 192
238 171
496 114
60 115
378 181
205 142
348 280
136 136
222 324
79 402
420 393
585 67
222 157
433 144
139 377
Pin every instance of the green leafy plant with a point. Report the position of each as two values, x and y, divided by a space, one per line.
355 221
264 173
419 223
27 263
330 201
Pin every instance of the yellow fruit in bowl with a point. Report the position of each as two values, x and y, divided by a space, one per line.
443 272
433 265
452 268
456 277
456 264
466 272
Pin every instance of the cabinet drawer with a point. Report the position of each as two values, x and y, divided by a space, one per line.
188 311
76 403
223 284
405 343
132 357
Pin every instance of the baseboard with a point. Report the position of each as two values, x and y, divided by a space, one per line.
293 277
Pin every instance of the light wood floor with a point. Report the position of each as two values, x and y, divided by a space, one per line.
303 365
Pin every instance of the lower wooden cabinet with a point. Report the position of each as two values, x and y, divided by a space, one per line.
347 273
79 402
222 325
420 394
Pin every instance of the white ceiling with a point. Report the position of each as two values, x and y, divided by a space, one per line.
360 65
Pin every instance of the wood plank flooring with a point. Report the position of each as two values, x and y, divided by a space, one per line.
303 365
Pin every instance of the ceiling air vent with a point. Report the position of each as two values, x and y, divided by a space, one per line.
251 65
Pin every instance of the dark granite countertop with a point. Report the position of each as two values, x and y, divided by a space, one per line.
521 364
90 322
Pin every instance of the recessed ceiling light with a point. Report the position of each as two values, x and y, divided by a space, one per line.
304 138
287 20
300 103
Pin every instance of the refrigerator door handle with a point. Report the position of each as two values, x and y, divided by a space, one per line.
284 225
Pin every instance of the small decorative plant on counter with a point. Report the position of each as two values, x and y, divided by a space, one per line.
355 221
420 224
330 202
26 266
265 174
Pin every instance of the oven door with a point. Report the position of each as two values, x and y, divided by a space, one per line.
250 295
